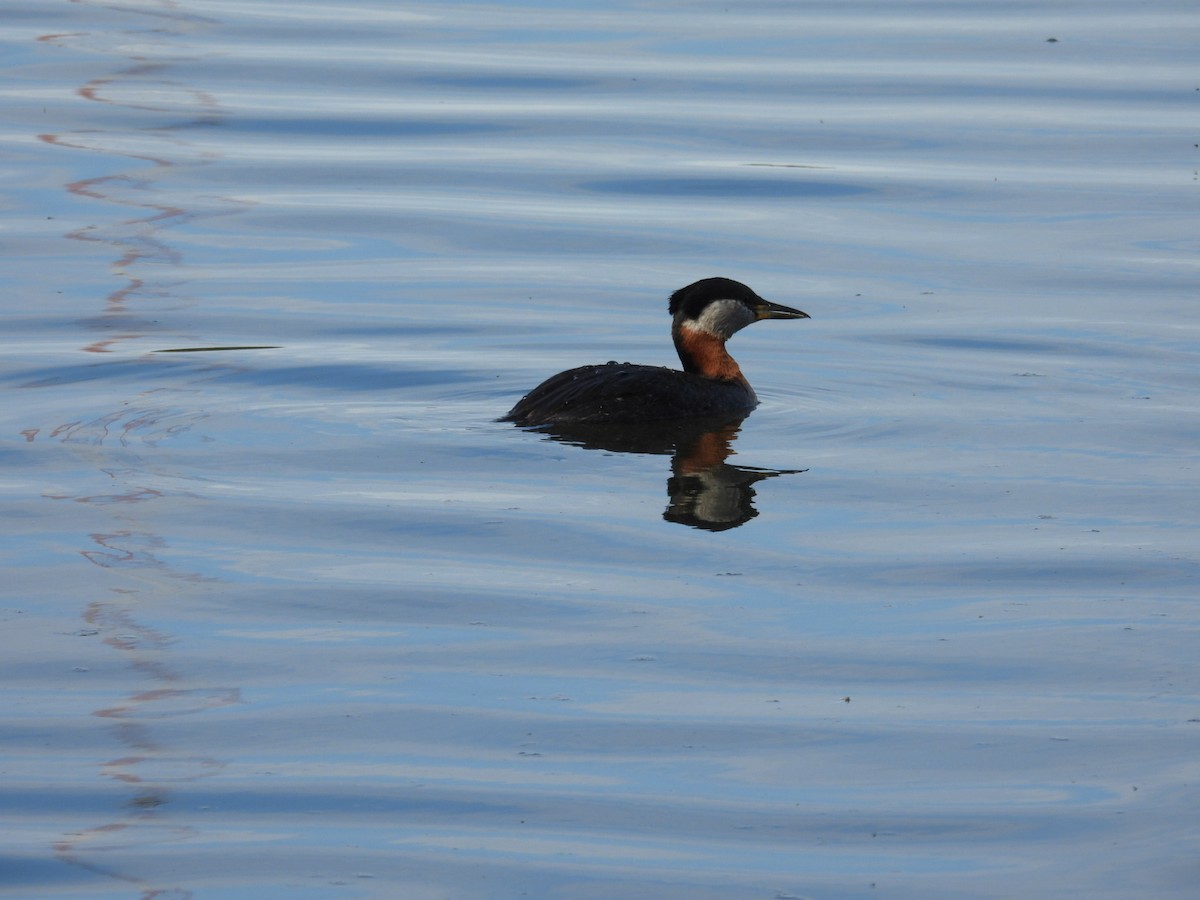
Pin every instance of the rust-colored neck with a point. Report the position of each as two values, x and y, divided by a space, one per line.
705 354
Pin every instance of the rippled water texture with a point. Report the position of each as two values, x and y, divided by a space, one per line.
287 613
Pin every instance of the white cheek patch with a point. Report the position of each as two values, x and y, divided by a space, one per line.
723 317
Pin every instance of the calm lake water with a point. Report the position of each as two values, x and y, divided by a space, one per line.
287 613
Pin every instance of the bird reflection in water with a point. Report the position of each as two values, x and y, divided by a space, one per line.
705 491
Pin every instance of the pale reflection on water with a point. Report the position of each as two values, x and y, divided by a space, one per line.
287 613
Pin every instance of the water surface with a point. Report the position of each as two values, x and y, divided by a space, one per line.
288 613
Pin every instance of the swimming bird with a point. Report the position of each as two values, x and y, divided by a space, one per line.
705 315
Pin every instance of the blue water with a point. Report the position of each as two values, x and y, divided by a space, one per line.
287 612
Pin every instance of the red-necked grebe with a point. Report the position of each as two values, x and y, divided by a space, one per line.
705 315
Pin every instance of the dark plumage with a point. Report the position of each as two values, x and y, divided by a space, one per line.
705 315
625 392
